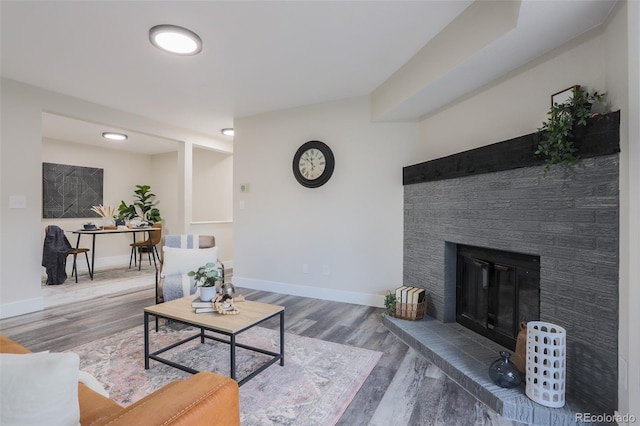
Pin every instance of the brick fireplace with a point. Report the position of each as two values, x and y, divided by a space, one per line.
498 198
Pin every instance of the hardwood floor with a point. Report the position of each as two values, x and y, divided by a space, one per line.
403 389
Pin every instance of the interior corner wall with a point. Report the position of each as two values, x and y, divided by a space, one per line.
341 241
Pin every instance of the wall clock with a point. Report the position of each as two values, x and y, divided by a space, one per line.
313 164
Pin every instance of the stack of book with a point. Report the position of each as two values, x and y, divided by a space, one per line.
411 302
200 307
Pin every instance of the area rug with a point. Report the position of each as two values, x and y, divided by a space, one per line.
314 387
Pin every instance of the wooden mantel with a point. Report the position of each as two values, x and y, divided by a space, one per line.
601 136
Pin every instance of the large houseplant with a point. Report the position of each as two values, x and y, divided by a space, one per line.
143 207
556 144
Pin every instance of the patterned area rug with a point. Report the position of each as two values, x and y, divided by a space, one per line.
315 386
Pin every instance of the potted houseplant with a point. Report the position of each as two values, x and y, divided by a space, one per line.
143 208
390 301
206 277
556 144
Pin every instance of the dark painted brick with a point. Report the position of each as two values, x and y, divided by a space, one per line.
570 219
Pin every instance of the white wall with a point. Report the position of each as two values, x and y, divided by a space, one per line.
21 175
628 89
212 189
164 171
349 231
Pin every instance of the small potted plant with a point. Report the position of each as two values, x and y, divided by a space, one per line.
557 133
206 277
390 304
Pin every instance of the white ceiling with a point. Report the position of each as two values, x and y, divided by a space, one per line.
257 56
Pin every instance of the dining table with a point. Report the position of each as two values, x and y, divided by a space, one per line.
112 231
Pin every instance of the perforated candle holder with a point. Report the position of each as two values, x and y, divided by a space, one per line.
546 363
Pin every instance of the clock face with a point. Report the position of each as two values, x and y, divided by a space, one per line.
313 164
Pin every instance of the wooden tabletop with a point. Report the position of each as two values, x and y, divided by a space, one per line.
114 231
250 314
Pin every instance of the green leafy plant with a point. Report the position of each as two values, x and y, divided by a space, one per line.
206 276
390 304
143 207
557 138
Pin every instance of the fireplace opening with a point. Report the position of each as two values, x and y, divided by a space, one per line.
495 291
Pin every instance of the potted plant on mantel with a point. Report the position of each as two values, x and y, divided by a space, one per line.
206 277
557 133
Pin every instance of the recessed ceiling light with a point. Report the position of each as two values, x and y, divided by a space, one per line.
228 131
174 39
115 136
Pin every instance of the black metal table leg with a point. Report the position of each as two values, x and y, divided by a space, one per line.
282 338
93 254
146 341
233 356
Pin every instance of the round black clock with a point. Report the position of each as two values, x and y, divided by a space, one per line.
313 164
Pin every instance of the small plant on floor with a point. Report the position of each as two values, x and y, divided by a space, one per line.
557 139
390 304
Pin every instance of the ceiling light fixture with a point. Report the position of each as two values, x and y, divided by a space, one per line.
114 136
228 131
174 39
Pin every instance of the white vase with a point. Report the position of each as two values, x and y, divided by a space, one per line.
207 293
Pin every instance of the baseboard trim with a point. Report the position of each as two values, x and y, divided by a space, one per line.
364 299
21 307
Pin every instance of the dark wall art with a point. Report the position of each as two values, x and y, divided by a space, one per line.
70 191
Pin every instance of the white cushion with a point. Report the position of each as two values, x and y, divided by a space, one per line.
92 383
181 260
39 389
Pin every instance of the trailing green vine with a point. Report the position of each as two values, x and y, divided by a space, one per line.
557 139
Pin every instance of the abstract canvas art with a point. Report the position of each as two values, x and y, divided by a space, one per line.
70 191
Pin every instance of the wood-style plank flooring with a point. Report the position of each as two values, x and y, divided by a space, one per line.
403 389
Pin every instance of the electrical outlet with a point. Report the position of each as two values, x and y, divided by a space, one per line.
305 268
326 270
17 202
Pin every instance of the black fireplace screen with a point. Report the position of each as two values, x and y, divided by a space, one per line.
495 291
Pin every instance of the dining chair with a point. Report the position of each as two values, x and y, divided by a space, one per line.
176 263
145 247
55 251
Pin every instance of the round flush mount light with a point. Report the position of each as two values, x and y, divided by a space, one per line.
228 131
114 136
176 40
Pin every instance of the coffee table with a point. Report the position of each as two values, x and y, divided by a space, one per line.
251 314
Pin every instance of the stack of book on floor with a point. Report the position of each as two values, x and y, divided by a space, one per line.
200 307
411 303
